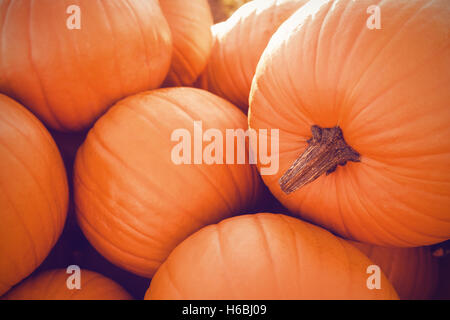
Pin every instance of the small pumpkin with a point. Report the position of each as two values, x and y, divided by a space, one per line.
68 76
135 202
33 193
238 45
413 272
190 23
363 118
53 285
265 256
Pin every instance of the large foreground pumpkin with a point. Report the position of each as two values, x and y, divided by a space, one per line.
53 285
190 23
363 117
265 256
238 45
413 272
134 203
68 77
33 193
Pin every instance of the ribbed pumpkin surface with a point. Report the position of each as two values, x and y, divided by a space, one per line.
265 256
133 202
33 193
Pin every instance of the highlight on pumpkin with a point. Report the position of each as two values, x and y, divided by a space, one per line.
224 150
54 285
265 257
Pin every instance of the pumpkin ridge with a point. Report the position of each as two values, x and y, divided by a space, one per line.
408 206
318 41
113 35
266 243
214 187
190 214
278 113
143 235
139 176
186 64
242 75
296 250
219 233
344 247
384 47
391 219
144 180
333 40
171 279
356 217
233 81
38 184
302 113
141 32
404 176
49 139
375 217
19 216
111 245
179 107
35 71
339 204
2 35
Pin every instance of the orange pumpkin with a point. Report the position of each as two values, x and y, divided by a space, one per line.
33 195
52 285
238 45
67 76
190 23
363 118
265 256
413 272
134 203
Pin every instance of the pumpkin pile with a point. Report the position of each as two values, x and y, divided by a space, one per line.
136 139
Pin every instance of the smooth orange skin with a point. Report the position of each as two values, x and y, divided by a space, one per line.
33 193
133 203
68 78
413 272
51 285
265 256
238 45
388 91
190 23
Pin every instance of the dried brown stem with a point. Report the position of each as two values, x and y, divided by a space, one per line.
326 151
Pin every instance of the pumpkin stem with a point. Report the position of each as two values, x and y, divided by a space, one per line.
326 151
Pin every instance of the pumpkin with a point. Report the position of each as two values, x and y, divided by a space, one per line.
67 76
54 285
33 193
363 118
265 257
190 23
135 202
413 272
238 45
